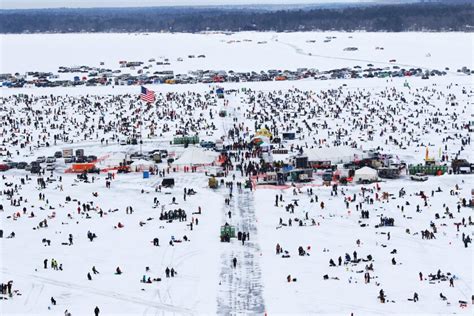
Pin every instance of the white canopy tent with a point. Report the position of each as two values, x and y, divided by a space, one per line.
340 154
141 165
196 156
365 174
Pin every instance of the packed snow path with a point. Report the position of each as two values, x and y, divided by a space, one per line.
241 288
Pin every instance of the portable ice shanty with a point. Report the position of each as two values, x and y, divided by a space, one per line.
168 182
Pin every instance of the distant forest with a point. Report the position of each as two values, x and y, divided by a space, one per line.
393 18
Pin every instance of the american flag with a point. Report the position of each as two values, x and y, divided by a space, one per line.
147 95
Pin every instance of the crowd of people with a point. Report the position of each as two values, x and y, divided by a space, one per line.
390 119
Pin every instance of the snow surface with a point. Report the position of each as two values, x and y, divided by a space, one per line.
46 52
206 283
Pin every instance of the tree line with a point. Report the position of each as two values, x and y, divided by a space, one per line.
391 18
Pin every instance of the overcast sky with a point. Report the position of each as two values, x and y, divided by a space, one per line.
34 4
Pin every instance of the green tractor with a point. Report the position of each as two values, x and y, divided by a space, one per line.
227 232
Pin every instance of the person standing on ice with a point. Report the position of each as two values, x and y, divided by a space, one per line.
45 262
382 296
96 311
94 270
234 262
367 277
415 297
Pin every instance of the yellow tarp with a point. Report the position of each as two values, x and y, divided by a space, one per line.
263 132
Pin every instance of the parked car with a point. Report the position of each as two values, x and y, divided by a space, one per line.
35 169
207 144
419 177
70 159
327 175
50 159
91 158
41 159
51 167
58 154
12 164
4 167
22 165
93 170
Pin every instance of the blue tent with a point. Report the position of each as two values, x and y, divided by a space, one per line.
287 168
220 92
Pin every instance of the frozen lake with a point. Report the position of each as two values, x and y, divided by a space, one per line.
402 117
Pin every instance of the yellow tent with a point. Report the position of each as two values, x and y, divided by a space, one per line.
263 132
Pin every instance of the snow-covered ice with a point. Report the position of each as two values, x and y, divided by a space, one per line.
370 110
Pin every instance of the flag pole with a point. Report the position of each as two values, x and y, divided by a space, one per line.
141 123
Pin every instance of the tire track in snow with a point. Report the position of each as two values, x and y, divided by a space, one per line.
109 294
300 51
242 287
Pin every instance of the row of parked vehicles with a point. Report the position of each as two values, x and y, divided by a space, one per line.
33 167
50 161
